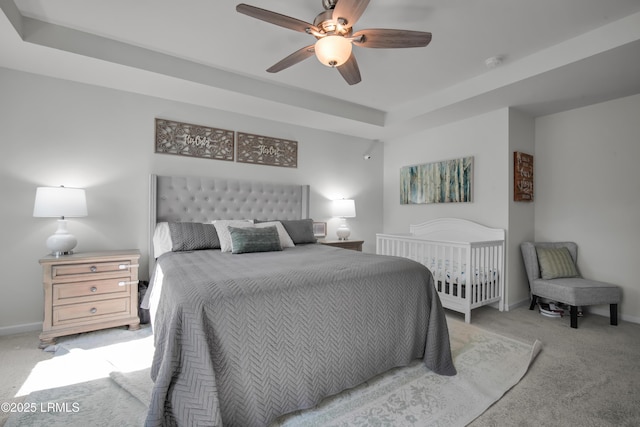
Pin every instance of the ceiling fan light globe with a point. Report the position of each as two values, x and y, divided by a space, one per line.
333 51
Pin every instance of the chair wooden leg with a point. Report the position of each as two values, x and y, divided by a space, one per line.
613 313
573 310
534 299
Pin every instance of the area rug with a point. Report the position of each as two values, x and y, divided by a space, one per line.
116 391
488 366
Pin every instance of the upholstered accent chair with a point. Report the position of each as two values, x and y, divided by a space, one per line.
553 274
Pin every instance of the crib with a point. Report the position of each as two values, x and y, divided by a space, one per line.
465 258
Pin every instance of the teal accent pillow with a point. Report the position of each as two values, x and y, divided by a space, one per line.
556 263
251 239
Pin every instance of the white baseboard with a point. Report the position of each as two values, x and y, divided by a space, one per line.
18 329
524 302
602 310
605 312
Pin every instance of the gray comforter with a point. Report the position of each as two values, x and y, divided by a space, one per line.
243 339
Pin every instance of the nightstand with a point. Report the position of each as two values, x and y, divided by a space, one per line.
354 245
89 291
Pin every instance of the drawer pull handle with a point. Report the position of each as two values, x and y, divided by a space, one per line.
122 283
93 268
94 289
122 266
93 310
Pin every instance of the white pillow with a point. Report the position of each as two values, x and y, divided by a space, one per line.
222 229
162 242
285 239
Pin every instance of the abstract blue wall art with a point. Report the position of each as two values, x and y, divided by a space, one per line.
439 182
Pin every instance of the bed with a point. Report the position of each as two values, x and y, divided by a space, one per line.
243 338
465 258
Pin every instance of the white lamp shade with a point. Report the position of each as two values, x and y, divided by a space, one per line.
60 202
344 208
333 51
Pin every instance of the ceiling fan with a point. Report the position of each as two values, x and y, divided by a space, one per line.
333 29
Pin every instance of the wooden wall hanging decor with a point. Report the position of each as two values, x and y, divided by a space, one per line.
264 150
186 139
522 177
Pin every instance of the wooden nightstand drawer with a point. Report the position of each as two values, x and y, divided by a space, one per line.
96 310
90 290
66 270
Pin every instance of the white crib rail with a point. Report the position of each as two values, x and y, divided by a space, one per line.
466 274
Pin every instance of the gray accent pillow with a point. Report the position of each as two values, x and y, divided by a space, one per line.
193 236
556 263
251 239
300 230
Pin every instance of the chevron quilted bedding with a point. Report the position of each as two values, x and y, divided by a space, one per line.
243 339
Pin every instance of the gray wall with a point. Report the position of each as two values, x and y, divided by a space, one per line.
588 191
484 137
521 214
55 132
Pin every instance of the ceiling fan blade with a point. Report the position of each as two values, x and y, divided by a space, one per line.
293 59
275 18
350 70
389 39
349 10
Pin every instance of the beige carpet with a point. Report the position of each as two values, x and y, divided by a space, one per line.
102 379
78 386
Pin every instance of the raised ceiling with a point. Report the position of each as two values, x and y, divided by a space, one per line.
557 54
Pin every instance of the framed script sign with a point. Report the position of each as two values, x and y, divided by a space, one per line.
522 177
185 139
264 150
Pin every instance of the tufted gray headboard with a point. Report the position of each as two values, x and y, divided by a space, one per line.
204 199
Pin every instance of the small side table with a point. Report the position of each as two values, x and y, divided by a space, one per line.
89 291
354 245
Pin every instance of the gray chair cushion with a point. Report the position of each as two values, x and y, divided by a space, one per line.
577 291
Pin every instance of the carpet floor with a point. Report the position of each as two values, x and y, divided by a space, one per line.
102 378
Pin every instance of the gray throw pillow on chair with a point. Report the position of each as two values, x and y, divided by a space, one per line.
556 263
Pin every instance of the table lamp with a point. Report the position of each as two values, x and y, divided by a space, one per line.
60 202
344 208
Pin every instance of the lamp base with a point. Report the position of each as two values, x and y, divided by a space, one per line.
59 254
61 242
343 232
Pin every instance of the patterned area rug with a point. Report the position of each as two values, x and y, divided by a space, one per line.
116 393
488 366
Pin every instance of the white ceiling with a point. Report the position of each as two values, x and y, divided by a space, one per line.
558 54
